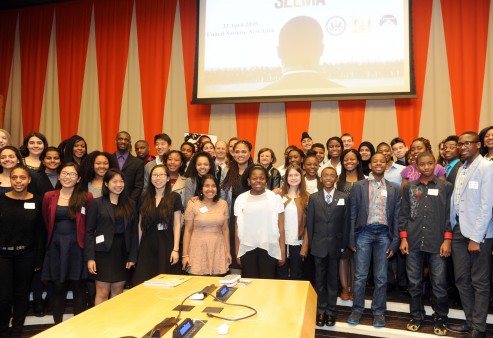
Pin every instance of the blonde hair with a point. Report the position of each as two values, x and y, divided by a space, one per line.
9 138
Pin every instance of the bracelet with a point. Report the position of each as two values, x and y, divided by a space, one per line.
185 256
175 250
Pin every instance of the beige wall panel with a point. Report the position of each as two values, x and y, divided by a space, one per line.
380 122
131 118
89 120
271 129
175 122
50 110
437 118
223 121
486 118
13 101
324 121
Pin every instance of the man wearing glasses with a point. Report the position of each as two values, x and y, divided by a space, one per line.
472 223
452 157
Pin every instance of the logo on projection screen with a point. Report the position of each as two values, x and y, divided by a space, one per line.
336 25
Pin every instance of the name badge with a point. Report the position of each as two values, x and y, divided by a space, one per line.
29 205
83 210
473 185
99 239
433 192
203 209
340 202
160 226
384 193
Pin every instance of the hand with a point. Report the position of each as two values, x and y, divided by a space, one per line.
282 260
389 253
353 249
174 257
404 246
195 199
445 248
91 266
473 247
304 252
184 262
129 265
229 260
277 191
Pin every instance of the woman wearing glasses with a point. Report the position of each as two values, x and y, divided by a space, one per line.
160 218
64 213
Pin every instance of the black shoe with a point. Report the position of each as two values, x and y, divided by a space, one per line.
38 309
321 318
475 334
460 328
331 320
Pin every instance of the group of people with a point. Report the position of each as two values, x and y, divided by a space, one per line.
94 222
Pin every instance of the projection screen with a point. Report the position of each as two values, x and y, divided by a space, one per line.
286 50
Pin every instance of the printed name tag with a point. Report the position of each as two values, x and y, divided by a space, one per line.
29 205
340 202
160 226
99 239
203 209
473 185
384 193
83 210
433 192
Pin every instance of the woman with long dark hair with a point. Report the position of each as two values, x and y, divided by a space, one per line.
160 222
64 214
9 159
31 149
74 149
111 237
93 168
201 164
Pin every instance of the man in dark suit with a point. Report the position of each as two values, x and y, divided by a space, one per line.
130 165
374 233
328 227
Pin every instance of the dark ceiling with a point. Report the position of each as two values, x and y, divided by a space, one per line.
8 4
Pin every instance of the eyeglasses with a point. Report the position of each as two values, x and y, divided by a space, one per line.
466 143
65 174
159 175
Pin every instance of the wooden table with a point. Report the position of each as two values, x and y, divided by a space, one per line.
285 309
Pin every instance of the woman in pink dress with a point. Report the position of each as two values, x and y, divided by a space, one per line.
206 238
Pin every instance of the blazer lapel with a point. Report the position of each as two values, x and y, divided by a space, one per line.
474 165
109 209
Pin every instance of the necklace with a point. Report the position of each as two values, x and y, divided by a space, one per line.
64 198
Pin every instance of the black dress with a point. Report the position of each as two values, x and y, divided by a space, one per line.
156 246
110 265
64 258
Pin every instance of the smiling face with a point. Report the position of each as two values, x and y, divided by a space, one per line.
231 146
265 158
399 150
306 144
209 148
162 147
173 162
378 164
293 177
221 150
386 151
311 166
68 177
52 160
19 180
451 151
294 157
257 181
488 139
202 165
347 141
209 189
417 147
142 150
79 149
159 178
241 153
187 151
8 159
468 146
335 149
35 146
123 142
320 153
365 153
328 178
115 185
4 139
350 162
101 165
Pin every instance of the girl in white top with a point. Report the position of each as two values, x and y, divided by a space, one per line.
259 227
295 199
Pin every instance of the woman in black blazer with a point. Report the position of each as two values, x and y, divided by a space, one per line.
111 237
47 178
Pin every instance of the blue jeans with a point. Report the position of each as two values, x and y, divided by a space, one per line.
438 278
374 241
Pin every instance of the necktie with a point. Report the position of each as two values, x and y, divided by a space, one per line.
328 199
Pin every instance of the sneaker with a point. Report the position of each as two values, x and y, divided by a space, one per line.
379 321
440 327
413 325
354 318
